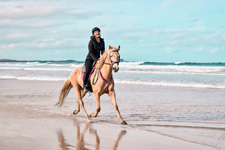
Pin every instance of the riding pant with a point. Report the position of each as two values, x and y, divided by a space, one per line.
88 67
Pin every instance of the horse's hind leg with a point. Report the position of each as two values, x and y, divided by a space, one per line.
78 108
97 100
81 103
78 103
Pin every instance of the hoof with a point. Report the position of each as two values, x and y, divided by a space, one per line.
89 121
75 112
92 116
124 123
69 115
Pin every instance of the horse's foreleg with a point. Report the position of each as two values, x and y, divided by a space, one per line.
113 99
97 100
78 103
81 103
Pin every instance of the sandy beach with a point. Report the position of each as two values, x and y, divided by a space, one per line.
29 119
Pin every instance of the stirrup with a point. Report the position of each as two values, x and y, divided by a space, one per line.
85 89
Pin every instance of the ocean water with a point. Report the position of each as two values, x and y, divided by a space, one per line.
177 74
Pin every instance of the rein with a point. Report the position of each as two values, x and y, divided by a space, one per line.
94 81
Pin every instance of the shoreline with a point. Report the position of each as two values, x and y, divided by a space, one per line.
127 82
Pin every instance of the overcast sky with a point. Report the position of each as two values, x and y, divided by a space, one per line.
147 30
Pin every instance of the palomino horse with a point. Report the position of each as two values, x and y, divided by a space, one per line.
108 62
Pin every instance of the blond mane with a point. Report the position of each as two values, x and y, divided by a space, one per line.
103 58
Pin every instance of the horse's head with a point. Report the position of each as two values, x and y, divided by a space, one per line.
114 57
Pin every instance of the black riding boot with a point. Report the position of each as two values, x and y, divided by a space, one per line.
85 87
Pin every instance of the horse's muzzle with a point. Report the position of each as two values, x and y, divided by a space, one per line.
116 69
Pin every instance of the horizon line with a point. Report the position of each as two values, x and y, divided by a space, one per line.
21 60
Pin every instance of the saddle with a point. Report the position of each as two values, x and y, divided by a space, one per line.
89 87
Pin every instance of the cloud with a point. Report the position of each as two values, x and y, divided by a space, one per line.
27 10
168 3
178 35
33 14
85 14
200 49
40 45
25 23
213 35
213 50
11 45
194 20
221 26
63 43
7 46
223 37
175 42
169 50
15 34
150 45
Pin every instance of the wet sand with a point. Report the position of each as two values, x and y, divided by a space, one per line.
29 120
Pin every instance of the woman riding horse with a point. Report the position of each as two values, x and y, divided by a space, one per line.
108 62
95 46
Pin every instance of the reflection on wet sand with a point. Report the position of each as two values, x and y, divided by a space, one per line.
123 132
62 142
80 144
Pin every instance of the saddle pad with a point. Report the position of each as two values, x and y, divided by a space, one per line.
82 75
83 69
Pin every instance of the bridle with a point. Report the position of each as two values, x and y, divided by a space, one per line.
113 62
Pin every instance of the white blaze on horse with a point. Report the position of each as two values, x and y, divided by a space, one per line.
105 83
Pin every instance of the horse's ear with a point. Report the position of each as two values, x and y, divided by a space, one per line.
118 47
110 47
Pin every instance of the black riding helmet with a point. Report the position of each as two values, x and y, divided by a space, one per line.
95 29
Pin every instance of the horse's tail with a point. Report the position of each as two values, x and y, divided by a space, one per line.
64 92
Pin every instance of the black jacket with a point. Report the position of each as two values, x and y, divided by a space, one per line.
95 48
